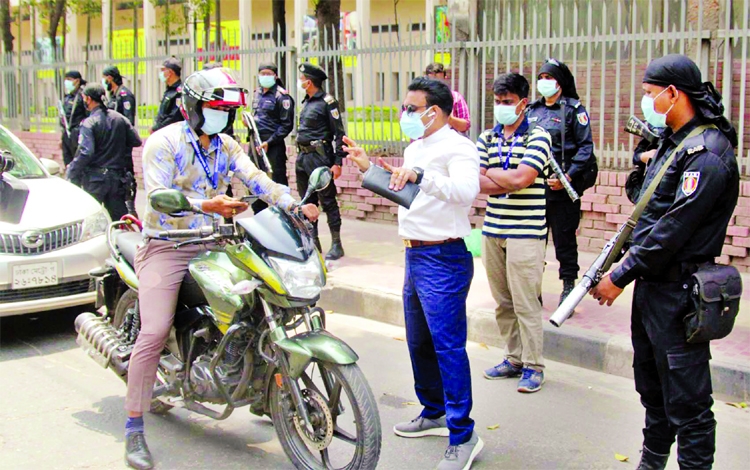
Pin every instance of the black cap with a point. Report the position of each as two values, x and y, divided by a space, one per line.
435 67
75 74
313 71
173 64
112 71
269 66
95 91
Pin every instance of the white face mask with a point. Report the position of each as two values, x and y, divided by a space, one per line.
69 86
214 121
649 112
505 114
547 87
301 84
162 77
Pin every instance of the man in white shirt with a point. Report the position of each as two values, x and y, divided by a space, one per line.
439 268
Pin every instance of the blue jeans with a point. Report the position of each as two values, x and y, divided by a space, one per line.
435 289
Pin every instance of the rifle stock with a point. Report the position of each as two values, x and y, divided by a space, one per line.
262 157
636 127
63 118
563 179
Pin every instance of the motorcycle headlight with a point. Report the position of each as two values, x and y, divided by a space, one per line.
95 225
302 280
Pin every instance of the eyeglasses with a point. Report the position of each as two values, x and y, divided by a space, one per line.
411 108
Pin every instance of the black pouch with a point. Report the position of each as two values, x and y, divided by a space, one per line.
634 184
716 297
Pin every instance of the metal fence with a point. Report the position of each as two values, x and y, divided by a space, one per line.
607 45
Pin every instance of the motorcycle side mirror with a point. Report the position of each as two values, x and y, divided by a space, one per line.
169 201
319 180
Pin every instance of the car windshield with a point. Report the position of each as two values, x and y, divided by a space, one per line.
26 165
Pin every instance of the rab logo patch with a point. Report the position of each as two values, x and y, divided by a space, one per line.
583 118
335 113
690 182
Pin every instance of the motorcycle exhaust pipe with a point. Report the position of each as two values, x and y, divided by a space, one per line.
98 338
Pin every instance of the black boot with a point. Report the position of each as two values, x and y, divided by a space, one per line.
336 251
316 240
137 454
652 460
568 286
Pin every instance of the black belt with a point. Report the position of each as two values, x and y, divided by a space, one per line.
104 171
676 272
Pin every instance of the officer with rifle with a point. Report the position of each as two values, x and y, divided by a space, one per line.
684 219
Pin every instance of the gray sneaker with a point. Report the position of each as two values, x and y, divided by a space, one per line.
460 457
421 427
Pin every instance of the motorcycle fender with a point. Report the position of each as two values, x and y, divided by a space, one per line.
127 274
305 347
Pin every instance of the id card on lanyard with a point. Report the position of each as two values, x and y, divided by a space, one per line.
506 163
203 159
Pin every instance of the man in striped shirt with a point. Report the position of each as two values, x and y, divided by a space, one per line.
513 156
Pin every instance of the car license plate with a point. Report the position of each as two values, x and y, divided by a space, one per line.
26 276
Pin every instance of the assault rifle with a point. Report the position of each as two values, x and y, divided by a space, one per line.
637 127
63 117
259 156
563 179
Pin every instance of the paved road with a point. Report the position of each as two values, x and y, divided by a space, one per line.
62 411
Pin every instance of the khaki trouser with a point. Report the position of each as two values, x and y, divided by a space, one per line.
514 269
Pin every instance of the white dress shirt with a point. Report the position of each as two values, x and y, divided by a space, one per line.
450 184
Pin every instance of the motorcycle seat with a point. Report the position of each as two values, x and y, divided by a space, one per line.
128 242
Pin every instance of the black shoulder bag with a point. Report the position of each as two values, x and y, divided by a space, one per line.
716 298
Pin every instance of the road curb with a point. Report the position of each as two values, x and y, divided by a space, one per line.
570 345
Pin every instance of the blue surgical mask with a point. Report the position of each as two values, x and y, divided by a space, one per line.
267 81
547 87
69 87
162 77
412 125
652 117
214 121
505 114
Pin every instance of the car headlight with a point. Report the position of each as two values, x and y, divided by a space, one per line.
95 225
302 280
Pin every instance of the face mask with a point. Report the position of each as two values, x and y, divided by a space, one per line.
105 83
301 85
547 87
412 125
505 114
214 121
162 77
69 87
267 81
652 117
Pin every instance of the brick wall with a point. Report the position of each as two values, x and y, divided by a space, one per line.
605 206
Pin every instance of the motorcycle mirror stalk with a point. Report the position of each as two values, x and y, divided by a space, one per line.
319 180
171 201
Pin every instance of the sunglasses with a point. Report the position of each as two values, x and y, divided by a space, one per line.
411 108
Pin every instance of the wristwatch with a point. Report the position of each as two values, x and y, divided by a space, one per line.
420 174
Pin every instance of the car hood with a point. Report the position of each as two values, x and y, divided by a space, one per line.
53 202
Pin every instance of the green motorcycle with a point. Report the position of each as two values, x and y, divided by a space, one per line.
246 333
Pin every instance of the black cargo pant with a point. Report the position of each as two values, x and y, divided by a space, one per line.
109 189
277 158
563 218
306 163
69 146
672 377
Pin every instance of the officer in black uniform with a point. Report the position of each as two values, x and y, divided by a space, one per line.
169 110
319 143
273 108
104 153
559 102
683 226
122 100
75 112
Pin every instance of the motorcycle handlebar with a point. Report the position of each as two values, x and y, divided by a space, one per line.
192 233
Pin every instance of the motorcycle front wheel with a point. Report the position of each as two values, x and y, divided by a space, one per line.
344 432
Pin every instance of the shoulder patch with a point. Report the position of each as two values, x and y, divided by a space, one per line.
695 149
126 105
335 113
286 104
583 118
329 99
690 180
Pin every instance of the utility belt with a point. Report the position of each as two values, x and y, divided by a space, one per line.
677 272
108 171
315 146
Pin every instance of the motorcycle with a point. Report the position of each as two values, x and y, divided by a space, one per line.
246 333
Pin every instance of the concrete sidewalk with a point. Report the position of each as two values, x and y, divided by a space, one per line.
367 282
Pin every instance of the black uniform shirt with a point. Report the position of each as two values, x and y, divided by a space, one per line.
320 120
75 110
274 114
578 141
169 112
123 101
106 140
686 219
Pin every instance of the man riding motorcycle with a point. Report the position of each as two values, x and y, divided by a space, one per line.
194 158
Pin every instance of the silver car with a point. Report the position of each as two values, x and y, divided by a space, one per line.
46 257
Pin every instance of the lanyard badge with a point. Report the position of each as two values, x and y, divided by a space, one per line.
203 159
506 163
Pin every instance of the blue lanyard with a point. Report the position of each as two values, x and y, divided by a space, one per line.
203 159
506 164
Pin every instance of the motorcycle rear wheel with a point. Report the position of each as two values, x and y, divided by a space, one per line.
356 431
125 303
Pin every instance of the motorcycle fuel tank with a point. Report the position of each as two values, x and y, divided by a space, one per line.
216 275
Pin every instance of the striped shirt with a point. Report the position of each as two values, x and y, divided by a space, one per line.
520 214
